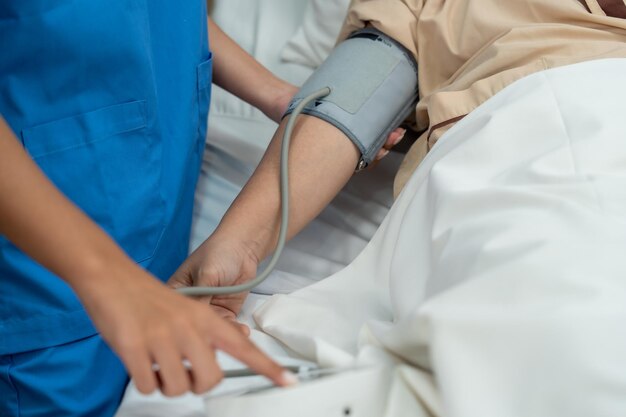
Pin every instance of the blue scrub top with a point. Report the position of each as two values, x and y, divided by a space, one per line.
110 98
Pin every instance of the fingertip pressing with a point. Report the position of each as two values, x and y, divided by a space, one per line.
244 329
399 138
288 379
146 387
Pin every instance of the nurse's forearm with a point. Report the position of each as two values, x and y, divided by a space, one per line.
239 73
321 160
143 321
38 219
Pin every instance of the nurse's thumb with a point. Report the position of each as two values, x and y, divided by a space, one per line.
181 278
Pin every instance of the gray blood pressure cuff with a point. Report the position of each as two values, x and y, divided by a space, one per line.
373 88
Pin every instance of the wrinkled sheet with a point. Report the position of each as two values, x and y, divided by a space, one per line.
498 278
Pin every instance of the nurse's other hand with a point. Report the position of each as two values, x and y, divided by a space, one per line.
392 140
218 263
147 323
279 100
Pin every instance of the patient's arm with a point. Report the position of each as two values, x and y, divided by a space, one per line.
321 160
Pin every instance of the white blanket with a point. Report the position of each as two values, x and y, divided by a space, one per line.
496 282
499 275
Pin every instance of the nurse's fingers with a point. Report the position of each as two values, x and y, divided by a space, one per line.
394 138
139 365
244 329
173 376
235 344
181 278
205 373
381 154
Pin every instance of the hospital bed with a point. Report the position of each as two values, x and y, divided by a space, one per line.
493 285
237 137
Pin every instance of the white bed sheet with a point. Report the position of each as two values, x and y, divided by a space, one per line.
497 277
496 280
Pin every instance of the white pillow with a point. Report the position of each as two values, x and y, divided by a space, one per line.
320 28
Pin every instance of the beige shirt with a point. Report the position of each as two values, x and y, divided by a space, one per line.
468 50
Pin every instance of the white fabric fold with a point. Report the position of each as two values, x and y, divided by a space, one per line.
498 274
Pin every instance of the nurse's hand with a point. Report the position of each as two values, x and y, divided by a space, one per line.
147 324
218 263
143 321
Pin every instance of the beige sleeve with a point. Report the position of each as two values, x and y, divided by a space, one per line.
396 18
